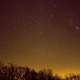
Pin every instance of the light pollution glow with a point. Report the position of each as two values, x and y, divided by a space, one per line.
41 33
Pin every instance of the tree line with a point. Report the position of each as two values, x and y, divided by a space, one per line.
13 72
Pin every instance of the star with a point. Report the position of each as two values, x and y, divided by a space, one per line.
77 27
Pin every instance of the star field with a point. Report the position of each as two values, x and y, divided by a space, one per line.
41 33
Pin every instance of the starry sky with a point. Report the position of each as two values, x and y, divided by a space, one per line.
41 34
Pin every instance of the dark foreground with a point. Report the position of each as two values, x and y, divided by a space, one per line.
11 72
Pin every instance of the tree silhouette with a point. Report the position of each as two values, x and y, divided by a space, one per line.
13 72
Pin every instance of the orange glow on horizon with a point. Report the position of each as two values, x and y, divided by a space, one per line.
61 73
41 35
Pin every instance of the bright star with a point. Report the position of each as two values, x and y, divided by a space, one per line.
77 27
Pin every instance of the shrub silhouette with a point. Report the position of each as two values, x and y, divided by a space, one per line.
11 72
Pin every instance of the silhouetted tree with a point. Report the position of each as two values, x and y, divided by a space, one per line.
12 72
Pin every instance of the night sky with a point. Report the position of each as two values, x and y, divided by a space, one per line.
41 34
